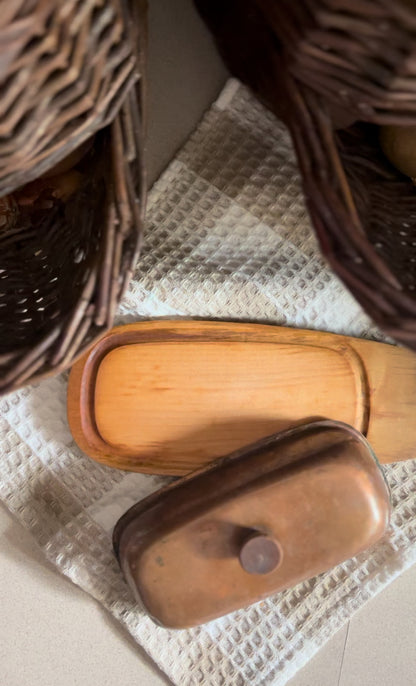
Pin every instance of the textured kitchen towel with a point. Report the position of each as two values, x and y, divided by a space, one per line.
227 237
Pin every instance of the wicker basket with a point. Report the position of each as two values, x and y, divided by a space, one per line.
72 75
333 70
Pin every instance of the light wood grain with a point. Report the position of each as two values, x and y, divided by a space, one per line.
167 397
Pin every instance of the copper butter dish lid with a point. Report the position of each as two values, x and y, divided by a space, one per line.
259 521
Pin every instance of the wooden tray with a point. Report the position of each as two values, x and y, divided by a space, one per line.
169 396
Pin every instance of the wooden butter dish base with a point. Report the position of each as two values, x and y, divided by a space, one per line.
167 397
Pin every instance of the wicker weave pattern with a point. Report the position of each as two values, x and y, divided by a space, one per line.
317 63
63 271
65 68
359 54
363 211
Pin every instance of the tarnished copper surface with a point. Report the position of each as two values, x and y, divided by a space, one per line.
259 554
259 521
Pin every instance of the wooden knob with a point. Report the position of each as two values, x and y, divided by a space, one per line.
259 554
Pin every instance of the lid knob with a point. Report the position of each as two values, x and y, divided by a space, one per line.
259 554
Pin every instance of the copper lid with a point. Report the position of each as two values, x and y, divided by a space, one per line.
282 510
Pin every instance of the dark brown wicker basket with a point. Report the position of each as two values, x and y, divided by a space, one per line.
333 70
72 71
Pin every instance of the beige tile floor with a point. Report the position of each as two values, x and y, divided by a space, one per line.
52 633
